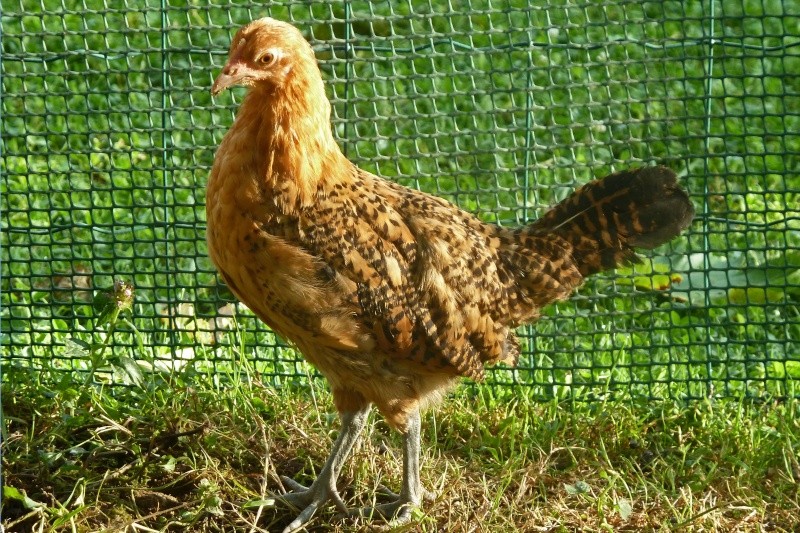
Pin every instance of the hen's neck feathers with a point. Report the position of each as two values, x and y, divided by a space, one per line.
287 132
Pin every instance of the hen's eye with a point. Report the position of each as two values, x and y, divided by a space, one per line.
267 58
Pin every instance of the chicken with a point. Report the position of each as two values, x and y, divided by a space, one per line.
392 294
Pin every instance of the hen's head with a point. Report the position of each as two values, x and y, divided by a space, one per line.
264 52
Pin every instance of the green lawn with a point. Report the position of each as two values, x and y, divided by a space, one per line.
182 454
108 132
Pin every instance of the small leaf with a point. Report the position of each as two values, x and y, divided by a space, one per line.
213 505
76 348
251 504
169 465
625 508
104 307
77 451
13 493
131 368
580 487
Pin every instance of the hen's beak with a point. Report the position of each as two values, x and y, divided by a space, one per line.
232 74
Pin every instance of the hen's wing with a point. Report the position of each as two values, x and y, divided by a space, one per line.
426 278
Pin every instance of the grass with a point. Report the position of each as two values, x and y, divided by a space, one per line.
109 132
182 454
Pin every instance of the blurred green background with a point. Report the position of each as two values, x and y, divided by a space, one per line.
503 107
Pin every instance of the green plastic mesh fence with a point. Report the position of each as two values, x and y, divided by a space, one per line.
501 106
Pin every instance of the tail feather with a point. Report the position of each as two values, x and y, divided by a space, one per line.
607 218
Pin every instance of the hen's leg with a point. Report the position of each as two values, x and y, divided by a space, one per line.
309 499
411 491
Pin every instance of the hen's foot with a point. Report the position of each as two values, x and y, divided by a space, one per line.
309 499
323 490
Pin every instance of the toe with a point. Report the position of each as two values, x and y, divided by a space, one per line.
403 517
304 516
308 500
397 512
292 484
427 496
383 490
295 500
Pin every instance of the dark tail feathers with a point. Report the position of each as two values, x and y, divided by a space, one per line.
606 218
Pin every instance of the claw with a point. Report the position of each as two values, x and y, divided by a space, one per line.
309 499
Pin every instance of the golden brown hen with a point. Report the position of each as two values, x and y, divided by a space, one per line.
391 293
